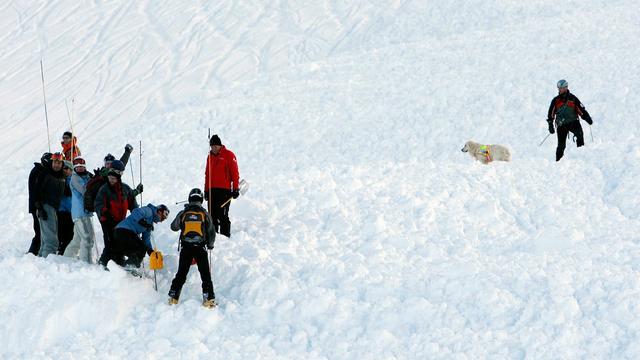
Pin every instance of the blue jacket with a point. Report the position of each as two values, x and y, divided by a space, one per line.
65 201
140 221
78 187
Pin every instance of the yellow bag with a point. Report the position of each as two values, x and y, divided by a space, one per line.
155 260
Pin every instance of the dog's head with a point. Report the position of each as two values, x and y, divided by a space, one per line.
467 146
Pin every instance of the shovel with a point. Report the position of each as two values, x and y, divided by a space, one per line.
242 189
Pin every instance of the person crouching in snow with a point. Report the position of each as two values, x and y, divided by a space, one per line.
132 236
196 231
83 235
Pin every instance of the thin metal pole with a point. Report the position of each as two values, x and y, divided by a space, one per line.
590 132
140 166
44 96
545 139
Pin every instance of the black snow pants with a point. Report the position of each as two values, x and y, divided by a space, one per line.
576 129
187 254
65 230
127 244
220 215
35 242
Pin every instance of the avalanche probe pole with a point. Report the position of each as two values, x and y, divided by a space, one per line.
208 191
44 96
140 166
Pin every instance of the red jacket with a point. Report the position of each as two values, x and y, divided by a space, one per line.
222 171
66 149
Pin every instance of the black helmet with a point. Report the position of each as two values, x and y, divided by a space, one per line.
46 158
117 165
195 195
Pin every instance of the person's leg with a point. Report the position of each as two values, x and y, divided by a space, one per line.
221 214
49 232
576 129
65 230
72 249
200 254
184 263
562 132
35 242
88 239
108 236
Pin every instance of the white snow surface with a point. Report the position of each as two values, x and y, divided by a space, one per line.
366 233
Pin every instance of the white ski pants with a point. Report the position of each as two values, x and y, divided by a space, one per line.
48 232
83 240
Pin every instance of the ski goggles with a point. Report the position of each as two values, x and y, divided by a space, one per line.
57 156
114 172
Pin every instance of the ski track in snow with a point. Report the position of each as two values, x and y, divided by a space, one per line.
366 232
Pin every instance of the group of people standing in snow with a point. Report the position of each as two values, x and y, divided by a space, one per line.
63 196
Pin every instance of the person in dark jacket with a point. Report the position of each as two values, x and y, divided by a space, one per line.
35 176
222 182
132 236
65 223
565 110
48 193
196 231
100 177
112 202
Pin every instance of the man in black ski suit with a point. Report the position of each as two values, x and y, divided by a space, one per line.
35 176
196 231
565 109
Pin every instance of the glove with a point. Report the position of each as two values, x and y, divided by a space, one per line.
551 129
145 224
206 195
128 148
235 194
589 120
40 213
140 187
210 245
149 252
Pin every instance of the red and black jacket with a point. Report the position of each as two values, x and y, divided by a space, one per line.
571 101
113 201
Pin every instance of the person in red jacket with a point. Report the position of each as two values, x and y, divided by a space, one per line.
221 183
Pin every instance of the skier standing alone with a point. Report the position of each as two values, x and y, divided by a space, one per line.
565 109
196 232
222 182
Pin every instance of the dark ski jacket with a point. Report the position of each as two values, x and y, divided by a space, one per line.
50 187
96 182
112 202
141 223
209 230
35 176
570 100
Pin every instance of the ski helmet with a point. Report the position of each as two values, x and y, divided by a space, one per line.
117 165
563 84
46 158
195 195
116 169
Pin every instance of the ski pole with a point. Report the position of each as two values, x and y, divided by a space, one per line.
181 202
140 168
591 132
44 96
545 139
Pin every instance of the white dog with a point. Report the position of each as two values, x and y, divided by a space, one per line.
487 153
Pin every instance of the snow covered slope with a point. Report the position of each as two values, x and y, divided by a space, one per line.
366 232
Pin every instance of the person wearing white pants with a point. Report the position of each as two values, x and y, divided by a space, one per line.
49 190
84 237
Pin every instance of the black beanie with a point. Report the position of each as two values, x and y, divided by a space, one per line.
67 133
215 140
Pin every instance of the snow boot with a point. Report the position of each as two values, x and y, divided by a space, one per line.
173 297
209 301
